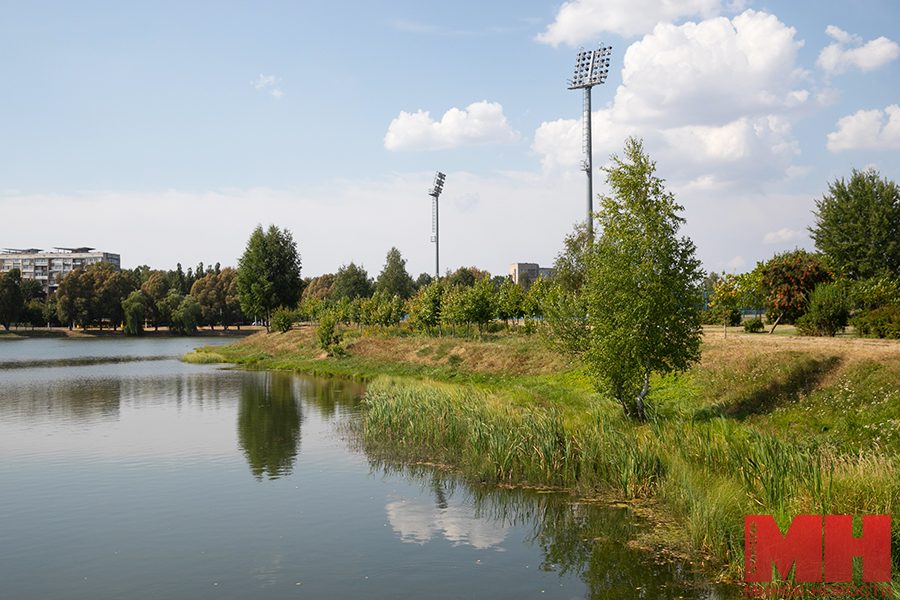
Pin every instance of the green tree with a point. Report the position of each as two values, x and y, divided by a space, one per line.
422 280
725 302
112 288
186 315
425 307
12 302
480 303
155 288
787 279
858 225
351 281
394 279
570 266
269 273
642 286
510 301
466 276
75 298
319 288
134 307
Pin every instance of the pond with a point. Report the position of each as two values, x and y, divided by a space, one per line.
146 477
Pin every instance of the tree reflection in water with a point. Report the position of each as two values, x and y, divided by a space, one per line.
269 419
595 541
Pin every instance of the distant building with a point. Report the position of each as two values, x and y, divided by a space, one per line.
525 273
50 267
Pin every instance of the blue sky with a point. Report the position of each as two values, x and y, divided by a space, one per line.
166 131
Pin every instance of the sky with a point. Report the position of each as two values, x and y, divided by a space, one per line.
166 131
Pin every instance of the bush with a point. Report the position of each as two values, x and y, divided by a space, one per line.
828 313
754 325
327 334
881 322
282 319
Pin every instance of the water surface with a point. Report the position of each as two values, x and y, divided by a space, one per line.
159 479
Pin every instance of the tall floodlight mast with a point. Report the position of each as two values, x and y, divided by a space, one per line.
591 68
435 193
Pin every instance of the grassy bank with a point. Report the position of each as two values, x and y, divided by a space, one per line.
765 424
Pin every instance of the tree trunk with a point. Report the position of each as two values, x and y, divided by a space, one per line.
775 324
640 414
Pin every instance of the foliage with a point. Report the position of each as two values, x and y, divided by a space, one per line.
867 294
828 311
857 225
155 288
642 287
351 281
754 325
533 303
269 273
479 303
12 302
217 294
570 266
327 333
883 322
135 310
750 290
422 280
725 302
425 307
318 288
283 319
466 276
787 279
394 279
510 301
186 314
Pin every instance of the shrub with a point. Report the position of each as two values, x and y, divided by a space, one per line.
754 325
283 319
881 322
828 311
327 334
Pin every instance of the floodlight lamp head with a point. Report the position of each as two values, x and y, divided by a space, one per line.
591 68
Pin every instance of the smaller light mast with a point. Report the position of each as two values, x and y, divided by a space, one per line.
435 193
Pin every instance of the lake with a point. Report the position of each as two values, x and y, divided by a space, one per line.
128 474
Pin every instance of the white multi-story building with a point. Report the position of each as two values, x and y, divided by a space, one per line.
50 267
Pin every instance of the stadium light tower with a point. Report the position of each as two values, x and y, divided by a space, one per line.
435 193
591 68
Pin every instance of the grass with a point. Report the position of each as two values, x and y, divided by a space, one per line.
765 424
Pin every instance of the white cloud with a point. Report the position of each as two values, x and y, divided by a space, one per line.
268 83
849 51
782 236
580 21
479 123
867 129
713 100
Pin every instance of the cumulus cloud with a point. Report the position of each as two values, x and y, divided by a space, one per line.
782 236
848 51
479 123
867 129
269 84
580 21
715 94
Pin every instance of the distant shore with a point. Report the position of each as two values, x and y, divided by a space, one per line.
65 332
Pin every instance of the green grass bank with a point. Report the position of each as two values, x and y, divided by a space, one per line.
764 424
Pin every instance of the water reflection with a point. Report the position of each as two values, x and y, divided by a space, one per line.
269 419
594 541
78 401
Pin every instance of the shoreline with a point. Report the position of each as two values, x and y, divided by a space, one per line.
773 401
